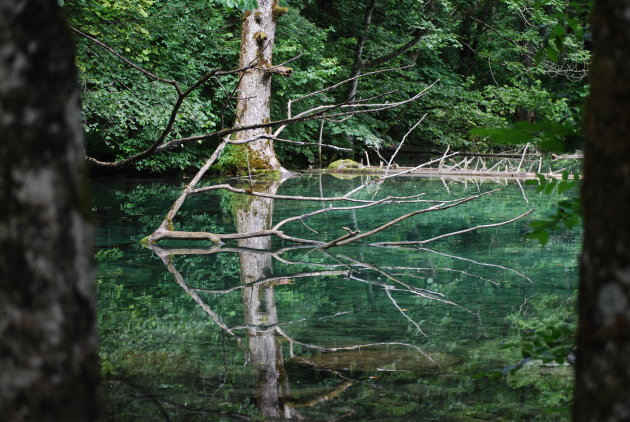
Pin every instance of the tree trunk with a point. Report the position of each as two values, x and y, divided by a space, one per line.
357 66
48 362
254 90
603 355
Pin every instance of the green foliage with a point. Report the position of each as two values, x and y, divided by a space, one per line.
108 255
565 29
544 134
487 59
545 334
552 344
568 212
124 112
233 160
238 4
547 331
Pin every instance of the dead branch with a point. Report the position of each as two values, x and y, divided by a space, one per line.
466 273
317 112
292 341
214 249
484 264
442 236
382 178
230 188
324 398
180 280
280 324
147 73
403 141
402 312
286 279
165 232
438 207
159 145
427 294
279 252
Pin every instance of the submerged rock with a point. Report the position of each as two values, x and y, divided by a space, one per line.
379 360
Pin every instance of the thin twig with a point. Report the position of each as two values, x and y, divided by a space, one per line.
402 141
438 207
391 298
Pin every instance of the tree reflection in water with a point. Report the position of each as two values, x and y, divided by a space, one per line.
265 332
261 315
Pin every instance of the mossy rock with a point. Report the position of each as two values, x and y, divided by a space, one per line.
345 164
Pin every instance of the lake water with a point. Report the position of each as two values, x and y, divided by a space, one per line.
189 332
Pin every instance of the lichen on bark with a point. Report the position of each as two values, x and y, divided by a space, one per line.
48 363
603 338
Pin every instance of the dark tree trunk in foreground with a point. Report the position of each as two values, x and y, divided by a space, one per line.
603 364
48 361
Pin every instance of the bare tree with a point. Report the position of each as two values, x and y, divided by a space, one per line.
253 106
251 134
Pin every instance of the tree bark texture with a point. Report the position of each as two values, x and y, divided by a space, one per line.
48 361
603 353
254 89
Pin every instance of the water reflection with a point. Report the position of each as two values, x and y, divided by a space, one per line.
347 365
261 315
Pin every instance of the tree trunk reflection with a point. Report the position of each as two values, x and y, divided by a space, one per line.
261 316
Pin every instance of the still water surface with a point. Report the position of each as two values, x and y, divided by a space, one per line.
263 330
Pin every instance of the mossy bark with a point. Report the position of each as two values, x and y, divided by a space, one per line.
48 361
603 353
254 90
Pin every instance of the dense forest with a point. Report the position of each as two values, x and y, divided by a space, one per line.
299 323
489 63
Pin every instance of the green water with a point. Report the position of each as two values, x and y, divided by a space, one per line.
228 334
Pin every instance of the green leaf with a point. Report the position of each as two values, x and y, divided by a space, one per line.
552 53
551 144
542 235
